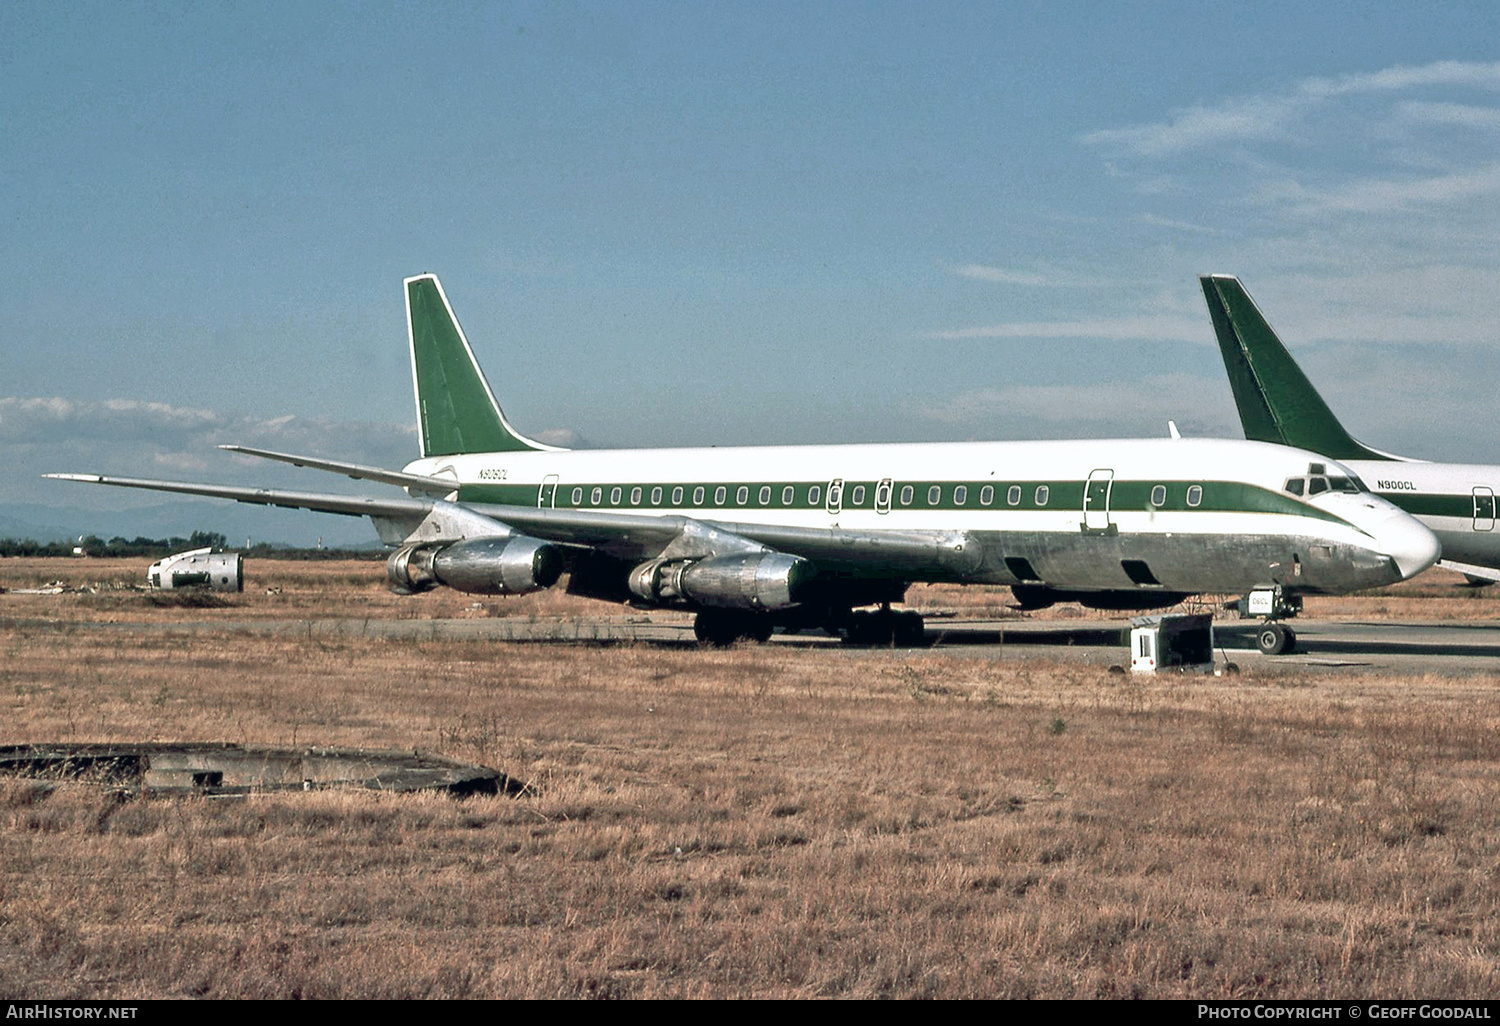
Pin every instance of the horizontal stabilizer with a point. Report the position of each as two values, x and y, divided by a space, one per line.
421 482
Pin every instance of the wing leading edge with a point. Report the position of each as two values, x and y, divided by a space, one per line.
623 535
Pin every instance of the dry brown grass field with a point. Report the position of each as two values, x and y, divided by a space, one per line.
760 821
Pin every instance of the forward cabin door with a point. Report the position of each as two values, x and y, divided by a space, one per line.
1484 509
547 494
1096 500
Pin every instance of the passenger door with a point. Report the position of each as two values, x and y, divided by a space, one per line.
1096 500
1484 509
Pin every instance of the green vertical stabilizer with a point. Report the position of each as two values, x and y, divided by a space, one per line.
456 411
1276 401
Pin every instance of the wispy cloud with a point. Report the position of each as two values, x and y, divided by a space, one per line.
1200 126
37 419
163 427
1328 185
145 439
565 437
1274 116
1451 73
1388 194
1005 276
1461 114
1117 407
1156 328
1153 221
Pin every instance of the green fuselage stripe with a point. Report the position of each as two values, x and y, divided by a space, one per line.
1124 496
1431 504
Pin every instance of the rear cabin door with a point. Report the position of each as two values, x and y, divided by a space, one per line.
547 494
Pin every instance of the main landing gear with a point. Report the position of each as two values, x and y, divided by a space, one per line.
881 628
884 628
721 627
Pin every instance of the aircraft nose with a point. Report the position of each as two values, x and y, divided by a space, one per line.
1409 544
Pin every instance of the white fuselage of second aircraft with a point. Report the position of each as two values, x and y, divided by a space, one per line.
1455 500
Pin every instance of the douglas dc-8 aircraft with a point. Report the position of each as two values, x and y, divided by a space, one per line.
801 536
1278 404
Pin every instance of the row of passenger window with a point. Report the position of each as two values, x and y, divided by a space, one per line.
700 493
959 495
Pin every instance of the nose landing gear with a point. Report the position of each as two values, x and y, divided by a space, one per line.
1276 639
1272 604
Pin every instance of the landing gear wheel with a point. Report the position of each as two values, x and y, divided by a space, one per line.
721 627
884 629
910 630
713 628
1276 639
864 629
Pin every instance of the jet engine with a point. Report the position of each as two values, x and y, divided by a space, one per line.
759 581
200 568
486 566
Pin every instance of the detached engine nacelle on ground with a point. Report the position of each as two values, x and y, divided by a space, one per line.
759 581
200 568
485 566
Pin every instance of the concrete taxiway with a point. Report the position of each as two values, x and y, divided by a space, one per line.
1459 647
1453 647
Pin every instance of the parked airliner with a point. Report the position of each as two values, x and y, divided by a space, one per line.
754 538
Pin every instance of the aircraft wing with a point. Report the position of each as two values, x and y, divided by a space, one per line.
623 535
634 535
346 505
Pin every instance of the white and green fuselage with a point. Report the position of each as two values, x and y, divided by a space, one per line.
1145 515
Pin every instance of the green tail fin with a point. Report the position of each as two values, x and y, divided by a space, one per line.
456 411
1276 401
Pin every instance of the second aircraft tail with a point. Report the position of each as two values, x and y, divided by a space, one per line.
1276 401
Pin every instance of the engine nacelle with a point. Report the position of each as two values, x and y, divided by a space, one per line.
1039 596
759 581
200 568
485 566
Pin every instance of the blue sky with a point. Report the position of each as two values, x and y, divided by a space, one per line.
695 223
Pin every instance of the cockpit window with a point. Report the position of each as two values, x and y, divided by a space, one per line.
1316 484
